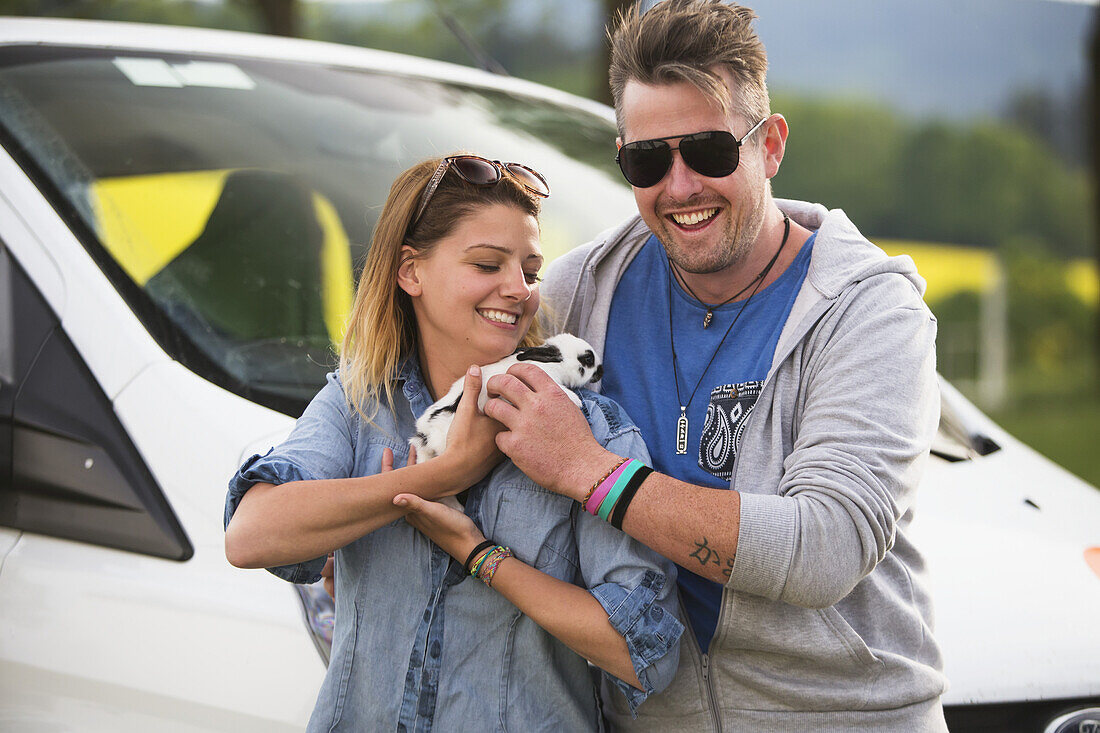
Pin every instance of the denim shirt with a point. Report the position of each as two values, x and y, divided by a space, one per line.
418 641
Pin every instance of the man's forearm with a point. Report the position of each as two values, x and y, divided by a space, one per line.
548 439
694 526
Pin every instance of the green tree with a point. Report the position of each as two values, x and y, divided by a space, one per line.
842 154
989 183
279 17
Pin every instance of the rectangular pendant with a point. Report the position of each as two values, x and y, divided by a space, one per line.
682 436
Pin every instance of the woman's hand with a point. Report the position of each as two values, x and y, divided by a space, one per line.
471 441
328 575
449 528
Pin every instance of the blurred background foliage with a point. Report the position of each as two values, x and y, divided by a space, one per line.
968 150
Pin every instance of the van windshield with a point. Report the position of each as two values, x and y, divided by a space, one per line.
230 199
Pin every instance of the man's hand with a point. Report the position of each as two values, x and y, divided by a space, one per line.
546 435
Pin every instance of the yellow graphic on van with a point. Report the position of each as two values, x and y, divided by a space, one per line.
147 222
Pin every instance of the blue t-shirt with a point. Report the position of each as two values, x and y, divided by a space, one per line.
639 376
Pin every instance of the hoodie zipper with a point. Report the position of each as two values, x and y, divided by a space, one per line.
689 631
711 703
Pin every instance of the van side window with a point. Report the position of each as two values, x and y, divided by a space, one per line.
68 467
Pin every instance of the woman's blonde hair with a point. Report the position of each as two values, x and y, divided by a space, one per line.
382 326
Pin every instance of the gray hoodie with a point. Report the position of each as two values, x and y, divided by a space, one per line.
826 620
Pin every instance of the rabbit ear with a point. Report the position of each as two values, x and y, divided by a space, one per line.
547 354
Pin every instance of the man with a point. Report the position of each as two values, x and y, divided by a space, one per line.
782 371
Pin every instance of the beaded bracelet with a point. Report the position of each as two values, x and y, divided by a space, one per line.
476 570
488 568
588 496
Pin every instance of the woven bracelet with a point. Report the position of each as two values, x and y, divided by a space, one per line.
476 571
488 569
584 501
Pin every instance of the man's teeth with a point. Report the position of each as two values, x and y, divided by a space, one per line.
694 217
499 316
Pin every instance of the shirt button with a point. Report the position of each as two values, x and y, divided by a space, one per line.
436 649
427 614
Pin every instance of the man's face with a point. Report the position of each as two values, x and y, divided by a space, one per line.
705 224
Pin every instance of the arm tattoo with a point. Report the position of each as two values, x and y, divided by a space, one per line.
704 553
707 555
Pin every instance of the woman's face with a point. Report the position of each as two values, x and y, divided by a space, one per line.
476 293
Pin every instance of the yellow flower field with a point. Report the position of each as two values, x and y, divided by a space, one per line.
950 269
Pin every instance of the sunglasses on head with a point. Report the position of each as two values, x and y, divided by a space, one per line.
479 171
714 154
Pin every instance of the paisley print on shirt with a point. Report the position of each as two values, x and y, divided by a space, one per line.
728 411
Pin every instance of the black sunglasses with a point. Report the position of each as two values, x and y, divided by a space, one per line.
479 171
713 154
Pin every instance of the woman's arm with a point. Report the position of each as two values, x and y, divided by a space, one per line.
298 521
283 524
569 613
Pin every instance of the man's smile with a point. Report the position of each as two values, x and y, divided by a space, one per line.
694 219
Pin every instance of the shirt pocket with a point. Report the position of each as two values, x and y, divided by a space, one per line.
368 460
536 525
727 414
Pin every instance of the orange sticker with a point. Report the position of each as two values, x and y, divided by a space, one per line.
1092 557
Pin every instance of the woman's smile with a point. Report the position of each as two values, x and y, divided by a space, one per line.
499 317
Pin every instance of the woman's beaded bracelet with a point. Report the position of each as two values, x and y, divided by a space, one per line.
488 567
476 570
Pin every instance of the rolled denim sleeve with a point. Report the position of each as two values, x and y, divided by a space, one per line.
321 446
272 469
635 585
652 634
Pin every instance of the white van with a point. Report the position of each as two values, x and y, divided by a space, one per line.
182 213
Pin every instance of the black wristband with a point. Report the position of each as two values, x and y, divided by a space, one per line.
477 551
619 512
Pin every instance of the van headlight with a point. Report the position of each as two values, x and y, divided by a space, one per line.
320 615
1081 720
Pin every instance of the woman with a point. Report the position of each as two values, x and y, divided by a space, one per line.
451 280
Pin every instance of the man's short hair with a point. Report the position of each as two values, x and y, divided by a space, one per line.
682 41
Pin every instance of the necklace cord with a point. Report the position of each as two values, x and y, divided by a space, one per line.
671 338
680 279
